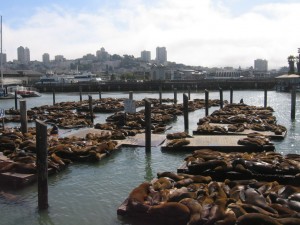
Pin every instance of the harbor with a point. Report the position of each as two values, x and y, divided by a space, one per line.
109 181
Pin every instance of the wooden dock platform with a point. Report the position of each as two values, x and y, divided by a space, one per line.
225 143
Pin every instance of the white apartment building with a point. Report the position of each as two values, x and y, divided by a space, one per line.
161 55
146 56
261 65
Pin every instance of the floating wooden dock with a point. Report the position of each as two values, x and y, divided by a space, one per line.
224 143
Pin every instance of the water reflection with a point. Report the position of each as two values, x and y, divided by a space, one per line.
148 168
44 218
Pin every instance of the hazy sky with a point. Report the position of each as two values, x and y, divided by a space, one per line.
195 32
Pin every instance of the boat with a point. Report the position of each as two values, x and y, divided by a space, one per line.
86 77
24 92
4 95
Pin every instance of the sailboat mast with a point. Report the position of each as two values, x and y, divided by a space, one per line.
1 56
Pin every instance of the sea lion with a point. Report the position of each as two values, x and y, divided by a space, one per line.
256 218
289 221
178 194
171 175
195 210
252 196
170 213
217 211
138 196
184 182
163 183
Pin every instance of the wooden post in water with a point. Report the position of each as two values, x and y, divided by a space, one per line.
42 164
16 100
91 109
265 98
53 96
80 93
206 102
189 92
293 103
175 95
231 95
100 97
160 94
148 125
130 95
23 114
186 113
221 98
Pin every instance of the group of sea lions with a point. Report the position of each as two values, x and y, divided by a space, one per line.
239 117
184 199
20 149
208 161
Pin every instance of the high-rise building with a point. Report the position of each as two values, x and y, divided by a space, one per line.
161 55
146 56
46 58
59 58
23 55
27 55
261 65
4 60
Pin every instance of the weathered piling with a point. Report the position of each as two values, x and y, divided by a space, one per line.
53 91
231 95
80 93
42 164
23 114
293 102
160 94
206 102
16 100
221 97
148 125
131 95
265 98
186 113
189 92
175 95
100 97
91 108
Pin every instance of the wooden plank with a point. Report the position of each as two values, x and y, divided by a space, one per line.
139 140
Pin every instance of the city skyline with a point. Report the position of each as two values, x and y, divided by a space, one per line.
207 33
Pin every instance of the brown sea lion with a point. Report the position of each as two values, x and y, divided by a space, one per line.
163 183
256 218
170 213
289 221
252 196
137 198
178 194
195 210
140 193
171 175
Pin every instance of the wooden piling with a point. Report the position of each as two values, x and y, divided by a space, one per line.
186 113
130 95
80 93
189 92
175 95
53 91
16 100
42 164
221 98
231 95
206 102
23 114
160 94
265 98
100 97
148 125
293 103
91 109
